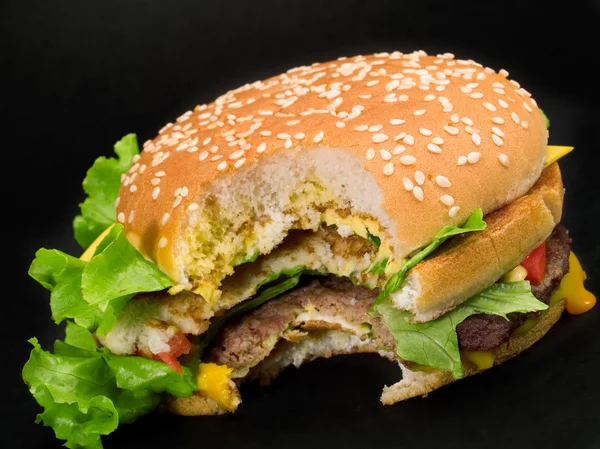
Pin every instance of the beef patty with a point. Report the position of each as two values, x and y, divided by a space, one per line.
485 332
245 342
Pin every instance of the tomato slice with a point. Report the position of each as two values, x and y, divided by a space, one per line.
179 344
535 264
170 360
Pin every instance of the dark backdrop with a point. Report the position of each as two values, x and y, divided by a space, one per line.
77 75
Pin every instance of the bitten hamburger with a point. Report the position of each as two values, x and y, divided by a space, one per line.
401 204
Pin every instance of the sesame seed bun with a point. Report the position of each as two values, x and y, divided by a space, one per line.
411 141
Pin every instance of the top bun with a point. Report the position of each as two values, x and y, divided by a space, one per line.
411 141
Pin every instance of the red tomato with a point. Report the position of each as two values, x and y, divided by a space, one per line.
535 264
170 360
179 344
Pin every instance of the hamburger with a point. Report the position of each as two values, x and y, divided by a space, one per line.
400 204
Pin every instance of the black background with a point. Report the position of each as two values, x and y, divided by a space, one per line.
77 75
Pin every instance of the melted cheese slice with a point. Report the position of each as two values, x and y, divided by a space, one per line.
214 382
88 253
555 152
579 299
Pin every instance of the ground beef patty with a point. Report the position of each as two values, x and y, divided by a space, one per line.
485 332
245 342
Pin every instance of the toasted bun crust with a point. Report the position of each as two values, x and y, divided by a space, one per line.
440 136
471 263
420 383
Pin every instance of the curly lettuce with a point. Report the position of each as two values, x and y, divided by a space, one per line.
435 343
101 185
86 392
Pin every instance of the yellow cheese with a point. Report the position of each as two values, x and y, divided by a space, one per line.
579 300
481 359
88 253
214 382
555 152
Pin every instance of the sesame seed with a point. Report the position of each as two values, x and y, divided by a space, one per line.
155 181
375 128
447 200
466 89
372 83
340 124
454 118
425 131
498 120
318 137
292 122
388 169
502 103
283 136
407 160
434 148
442 181
160 173
214 149
489 106
403 97
503 72
117 201
524 124
222 165
526 106
419 112
515 117
155 192
419 177
398 149
397 121
288 143
429 97
239 162
453 211
216 157
370 154
497 131
299 136
476 95
121 217
476 139
385 155
166 215
467 121
408 184
162 242
473 157
236 154
133 188
451 130
437 140
497 140
392 85
191 207
378 138
361 128
418 193
262 147
265 133
177 201
400 136
409 140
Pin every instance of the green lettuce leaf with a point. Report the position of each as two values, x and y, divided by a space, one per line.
101 184
474 223
435 343
546 119
379 266
93 293
373 239
61 274
86 392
